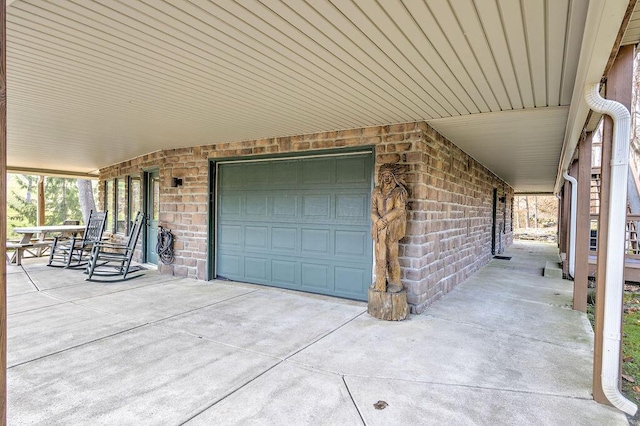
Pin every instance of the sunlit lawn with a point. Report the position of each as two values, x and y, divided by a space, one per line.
631 343
630 340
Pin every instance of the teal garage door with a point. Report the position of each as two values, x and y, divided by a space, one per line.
300 224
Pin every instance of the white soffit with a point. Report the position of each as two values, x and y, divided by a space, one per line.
603 25
93 83
528 161
632 33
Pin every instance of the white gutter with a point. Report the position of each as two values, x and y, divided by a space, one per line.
614 262
572 224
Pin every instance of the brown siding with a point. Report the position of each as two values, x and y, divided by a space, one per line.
450 204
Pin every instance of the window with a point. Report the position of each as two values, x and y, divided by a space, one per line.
135 197
109 203
120 212
122 201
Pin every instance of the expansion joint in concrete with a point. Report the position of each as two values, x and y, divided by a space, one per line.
33 283
353 400
228 394
79 346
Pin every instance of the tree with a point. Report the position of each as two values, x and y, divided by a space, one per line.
64 199
87 200
61 201
22 205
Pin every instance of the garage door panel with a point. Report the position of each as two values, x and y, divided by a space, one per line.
350 281
254 176
352 206
284 205
352 170
229 265
230 235
305 226
230 205
256 205
317 171
233 176
315 276
256 268
316 206
282 173
351 243
284 272
284 238
315 241
256 237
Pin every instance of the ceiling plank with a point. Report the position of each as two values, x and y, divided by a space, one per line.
455 34
557 12
436 41
467 15
575 29
515 36
494 30
534 23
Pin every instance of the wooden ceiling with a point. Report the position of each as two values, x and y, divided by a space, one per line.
93 83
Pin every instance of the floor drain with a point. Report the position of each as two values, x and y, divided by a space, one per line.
502 257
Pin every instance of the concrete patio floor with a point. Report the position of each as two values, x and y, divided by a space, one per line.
503 348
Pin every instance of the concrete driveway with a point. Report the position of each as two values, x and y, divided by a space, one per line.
503 348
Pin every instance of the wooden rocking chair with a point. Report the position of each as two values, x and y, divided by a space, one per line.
115 255
77 249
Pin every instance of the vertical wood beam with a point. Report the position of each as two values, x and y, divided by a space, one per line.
618 88
583 224
40 201
3 216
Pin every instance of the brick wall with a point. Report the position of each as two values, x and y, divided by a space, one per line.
450 200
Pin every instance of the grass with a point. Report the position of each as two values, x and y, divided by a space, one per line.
631 343
630 339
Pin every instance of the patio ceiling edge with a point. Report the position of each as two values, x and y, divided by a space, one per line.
50 172
606 23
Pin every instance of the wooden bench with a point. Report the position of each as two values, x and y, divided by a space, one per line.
18 249
41 246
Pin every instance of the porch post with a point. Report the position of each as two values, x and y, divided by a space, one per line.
3 216
618 88
583 224
40 201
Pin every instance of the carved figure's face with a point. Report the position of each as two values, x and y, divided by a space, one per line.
386 177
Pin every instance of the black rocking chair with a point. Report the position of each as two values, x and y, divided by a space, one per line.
77 249
114 255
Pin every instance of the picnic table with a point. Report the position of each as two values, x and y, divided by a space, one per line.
40 233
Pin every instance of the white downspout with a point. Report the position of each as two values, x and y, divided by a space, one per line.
615 245
572 223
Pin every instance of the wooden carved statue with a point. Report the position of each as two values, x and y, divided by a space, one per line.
388 213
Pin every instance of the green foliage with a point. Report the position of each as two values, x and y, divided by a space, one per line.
22 203
630 340
631 345
61 201
591 315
